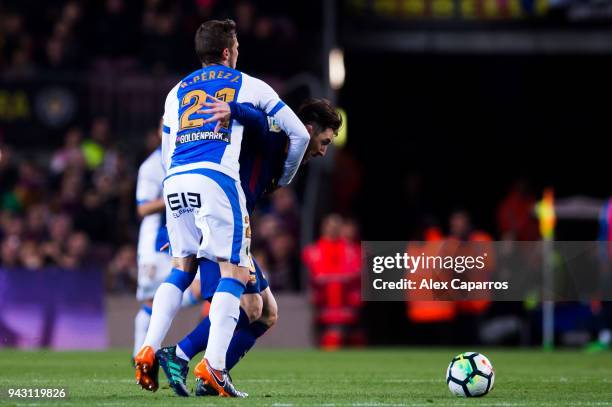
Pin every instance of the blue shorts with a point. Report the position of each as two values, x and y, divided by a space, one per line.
210 274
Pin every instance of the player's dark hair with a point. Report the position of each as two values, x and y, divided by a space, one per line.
212 38
321 114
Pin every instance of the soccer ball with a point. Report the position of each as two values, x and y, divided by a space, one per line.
470 374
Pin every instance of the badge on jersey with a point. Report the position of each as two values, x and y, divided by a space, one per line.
273 125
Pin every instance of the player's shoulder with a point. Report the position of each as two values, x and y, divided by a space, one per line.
175 88
257 91
172 97
251 81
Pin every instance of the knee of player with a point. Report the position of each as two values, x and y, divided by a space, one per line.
253 313
239 273
253 306
270 315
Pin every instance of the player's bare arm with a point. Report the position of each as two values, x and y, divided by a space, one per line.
149 208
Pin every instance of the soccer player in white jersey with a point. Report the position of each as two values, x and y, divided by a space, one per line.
205 206
264 149
153 265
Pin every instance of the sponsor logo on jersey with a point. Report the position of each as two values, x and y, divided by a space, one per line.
202 136
182 211
184 200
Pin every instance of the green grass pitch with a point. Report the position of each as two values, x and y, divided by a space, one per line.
360 378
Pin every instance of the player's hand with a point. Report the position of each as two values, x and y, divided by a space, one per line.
219 110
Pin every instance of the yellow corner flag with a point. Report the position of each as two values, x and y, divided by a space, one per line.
545 210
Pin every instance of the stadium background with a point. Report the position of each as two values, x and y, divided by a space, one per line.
453 108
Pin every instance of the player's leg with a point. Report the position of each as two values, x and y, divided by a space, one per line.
269 315
192 296
166 304
168 299
250 310
259 306
174 360
226 238
224 313
144 295
184 239
245 338
197 340
176 369
252 303
252 324
153 269
141 324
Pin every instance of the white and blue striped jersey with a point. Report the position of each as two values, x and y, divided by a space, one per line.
188 144
153 233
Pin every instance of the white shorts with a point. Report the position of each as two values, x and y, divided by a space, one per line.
153 269
206 216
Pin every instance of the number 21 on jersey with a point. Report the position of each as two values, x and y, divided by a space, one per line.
194 99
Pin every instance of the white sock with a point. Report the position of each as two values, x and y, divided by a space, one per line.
181 354
224 313
141 324
166 304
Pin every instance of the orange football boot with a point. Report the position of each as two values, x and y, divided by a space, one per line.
147 369
219 380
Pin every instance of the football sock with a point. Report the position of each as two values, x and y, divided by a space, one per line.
243 341
166 304
181 354
141 324
197 340
224 314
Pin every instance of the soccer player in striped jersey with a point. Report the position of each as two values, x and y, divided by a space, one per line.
262 158
206 211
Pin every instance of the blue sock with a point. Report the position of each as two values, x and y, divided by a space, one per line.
197 340
242 341
179 278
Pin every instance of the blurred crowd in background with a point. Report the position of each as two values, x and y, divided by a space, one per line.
66 211
153 36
